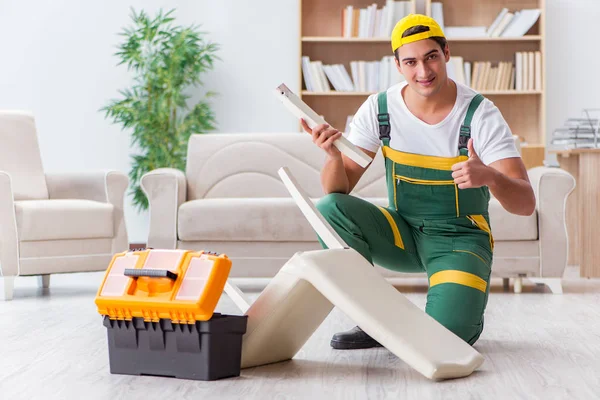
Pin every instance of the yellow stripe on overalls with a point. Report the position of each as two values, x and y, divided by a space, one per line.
397 238
418 160
482 224
458 277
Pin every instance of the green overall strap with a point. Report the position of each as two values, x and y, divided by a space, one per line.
383 118
465 128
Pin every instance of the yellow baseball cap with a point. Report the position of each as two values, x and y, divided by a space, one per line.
408 22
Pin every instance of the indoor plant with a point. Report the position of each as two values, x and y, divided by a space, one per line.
166 60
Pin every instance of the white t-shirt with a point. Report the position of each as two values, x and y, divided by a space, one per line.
492 138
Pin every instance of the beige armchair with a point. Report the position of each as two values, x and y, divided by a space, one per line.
231 200
53 223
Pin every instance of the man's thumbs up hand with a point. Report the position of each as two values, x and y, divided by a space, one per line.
472 153
472 173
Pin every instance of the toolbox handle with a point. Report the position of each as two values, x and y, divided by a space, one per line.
151 273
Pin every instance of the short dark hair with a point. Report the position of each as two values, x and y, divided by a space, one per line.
420 29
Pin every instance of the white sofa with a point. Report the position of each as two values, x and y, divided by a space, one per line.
231 200
52 222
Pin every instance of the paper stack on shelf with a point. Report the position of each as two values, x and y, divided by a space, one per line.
578 132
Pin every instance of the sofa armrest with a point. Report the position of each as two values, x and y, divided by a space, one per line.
166 189
101 186
552 187
9 239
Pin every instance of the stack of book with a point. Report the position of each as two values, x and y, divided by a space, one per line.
373 22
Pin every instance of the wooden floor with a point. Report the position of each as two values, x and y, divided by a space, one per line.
536 345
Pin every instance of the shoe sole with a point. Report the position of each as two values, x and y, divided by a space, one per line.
340 345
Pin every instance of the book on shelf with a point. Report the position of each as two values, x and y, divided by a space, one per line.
522 74
437 13
528 70
481 75
518 24
364 76
515 23
371 22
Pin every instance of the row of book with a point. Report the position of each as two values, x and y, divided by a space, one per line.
372 21
515 23
364 76
524 74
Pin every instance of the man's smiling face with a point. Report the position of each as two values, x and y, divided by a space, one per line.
423 64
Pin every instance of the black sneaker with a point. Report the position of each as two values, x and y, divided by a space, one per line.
355 338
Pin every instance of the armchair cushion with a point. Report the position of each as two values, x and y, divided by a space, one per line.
63 219
511 227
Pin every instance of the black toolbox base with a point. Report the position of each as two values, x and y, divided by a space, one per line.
206 350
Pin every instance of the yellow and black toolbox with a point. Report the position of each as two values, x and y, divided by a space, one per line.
158 307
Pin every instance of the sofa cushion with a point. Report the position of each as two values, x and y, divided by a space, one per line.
63 219
280 220
262 219
507 226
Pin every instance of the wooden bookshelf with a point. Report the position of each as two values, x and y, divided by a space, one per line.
525 111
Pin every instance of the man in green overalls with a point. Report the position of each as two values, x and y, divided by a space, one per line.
445 147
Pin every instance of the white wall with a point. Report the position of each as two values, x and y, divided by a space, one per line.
57 60
572 60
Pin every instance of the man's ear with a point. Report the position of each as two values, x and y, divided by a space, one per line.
398 66
447 53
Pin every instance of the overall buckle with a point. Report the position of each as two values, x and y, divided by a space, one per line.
384 131
465 135
384 125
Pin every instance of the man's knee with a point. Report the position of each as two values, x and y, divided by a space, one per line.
467 332
330 204
459 309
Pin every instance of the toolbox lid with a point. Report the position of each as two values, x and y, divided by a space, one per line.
181 285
